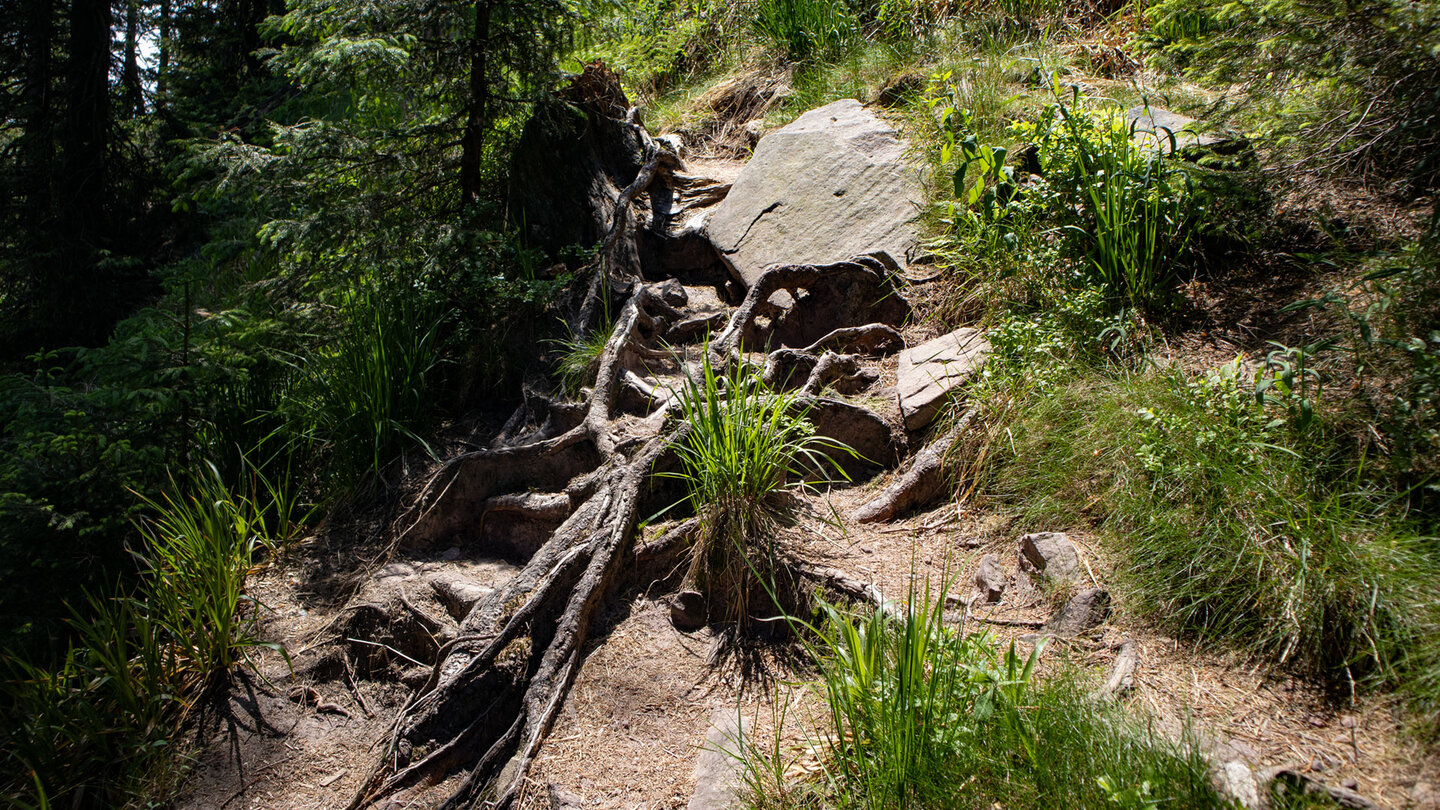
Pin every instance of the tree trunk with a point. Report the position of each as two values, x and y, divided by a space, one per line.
476 119
162 65
73 305
133 101
38 138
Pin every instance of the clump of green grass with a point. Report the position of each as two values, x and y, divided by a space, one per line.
579 359
95 728
805 29
927 716
1228 527
366 398
745 451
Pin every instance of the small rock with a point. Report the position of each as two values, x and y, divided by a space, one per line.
1051 555
991 578
927 374
1234 779
719 770
687 611
563 800
451 554
457 594
1350 784
672 293
1155 127
1084 612
1424 796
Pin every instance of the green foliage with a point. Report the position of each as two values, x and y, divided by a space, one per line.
914 703
199 548
806 29
97 727
1350 83
92 729
1126 211
1227 530
1133 203
579 359
657 44
367 395
743 448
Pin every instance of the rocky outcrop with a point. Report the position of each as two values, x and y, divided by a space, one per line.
831 185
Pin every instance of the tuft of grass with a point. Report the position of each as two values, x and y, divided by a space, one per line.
95 728
369 395
745 451
914 703
805 29
200 547
579 359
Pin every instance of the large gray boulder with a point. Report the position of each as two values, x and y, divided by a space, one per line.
831 185
929 373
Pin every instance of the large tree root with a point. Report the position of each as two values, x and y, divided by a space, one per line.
918 485
498 683
495 688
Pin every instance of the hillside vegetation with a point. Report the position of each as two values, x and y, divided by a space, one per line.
260 273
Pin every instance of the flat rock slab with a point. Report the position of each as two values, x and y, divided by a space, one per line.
830 185
1154 126
928 373
719 772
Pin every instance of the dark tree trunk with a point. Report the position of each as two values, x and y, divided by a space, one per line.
133 101
476 119
38 140
74 304
162 65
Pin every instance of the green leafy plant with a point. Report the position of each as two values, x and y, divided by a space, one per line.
200 546
579 357
744 449
1134 218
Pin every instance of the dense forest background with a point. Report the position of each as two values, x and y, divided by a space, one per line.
254 251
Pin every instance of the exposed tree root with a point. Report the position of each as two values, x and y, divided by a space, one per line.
918 485
497 685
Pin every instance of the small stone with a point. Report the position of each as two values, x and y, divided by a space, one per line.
451 554
1350 784
1235 779
991 579
1084 612
1162 129
672 293
1424 796
687 611
1051 555
720 770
